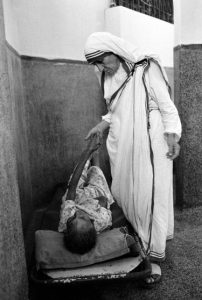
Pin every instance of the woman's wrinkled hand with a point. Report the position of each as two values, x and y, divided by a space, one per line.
95 131
173 147
173 151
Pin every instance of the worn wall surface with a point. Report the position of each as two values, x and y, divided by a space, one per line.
20 135
13 276
188 92
63 102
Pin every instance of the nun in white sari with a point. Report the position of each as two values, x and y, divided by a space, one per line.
144 130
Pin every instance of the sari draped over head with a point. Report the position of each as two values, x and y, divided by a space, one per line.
128 142
99 44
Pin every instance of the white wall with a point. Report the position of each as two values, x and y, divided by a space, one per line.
11 23
59 28
53 28
149 34
188 22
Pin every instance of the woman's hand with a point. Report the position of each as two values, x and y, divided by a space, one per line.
173 146
97 130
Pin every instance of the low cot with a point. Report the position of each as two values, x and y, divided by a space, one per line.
118 254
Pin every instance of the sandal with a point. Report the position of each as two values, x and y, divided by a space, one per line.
154 278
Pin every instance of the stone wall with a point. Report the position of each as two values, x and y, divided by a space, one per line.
13 273
188 95
20 135
63 102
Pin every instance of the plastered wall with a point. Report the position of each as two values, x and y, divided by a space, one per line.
52 28
149 34
188 22
59 29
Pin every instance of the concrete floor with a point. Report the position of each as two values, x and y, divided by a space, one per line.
182 272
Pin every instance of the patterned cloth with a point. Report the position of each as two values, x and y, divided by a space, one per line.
92 185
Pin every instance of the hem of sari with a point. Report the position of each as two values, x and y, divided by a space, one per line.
157 257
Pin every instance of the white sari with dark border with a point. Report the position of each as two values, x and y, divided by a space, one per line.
139 116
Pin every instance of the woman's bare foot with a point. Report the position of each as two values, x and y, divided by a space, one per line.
154 278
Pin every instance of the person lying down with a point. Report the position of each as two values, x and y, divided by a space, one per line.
88 207
89 213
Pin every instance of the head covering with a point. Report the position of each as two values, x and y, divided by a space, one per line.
98 55
100 43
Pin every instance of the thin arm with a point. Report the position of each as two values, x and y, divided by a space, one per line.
93 145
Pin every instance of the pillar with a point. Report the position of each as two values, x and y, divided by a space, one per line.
188 98
13 274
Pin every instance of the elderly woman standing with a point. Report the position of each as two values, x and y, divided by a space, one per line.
144 130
